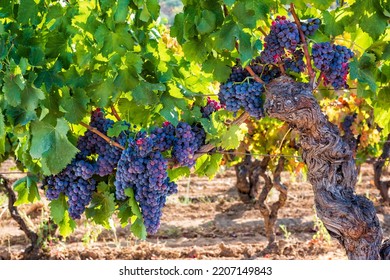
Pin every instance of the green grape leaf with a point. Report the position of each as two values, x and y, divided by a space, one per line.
201 164
229 2
133 203
177 173
177 30
381 110
195 50
117 128
58 208
232 138
102 206
67 225
105 5
208 165
56 44
169 111
370 17
144 93
332 27
27 190
124 214
137 226
117 41
28 12
12 88
121 11
150 10
245 47
244 16
75 105
227 36
138 229
101 93
134 60
207 22
220 70
363 74
30 97
50 78
126 80
127 109
51 144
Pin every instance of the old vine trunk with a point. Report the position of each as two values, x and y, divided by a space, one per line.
332 171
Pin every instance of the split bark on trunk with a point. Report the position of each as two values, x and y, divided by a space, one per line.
348 217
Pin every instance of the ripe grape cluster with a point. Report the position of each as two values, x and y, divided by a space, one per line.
332 60
310 26
283 35
145 171
211 107
185 145
96 157
143 168
246 95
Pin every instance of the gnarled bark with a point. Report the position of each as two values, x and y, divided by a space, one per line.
332 171
247 174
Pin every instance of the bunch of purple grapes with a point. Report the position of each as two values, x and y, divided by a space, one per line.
310 26
295 63
163 137
146 173
332 61
211 107
70 181
76 180
90 143
283 35
246 95
185 145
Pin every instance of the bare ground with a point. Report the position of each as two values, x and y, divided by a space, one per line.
204 220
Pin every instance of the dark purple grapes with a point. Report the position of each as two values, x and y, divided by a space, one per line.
295 63
211 107
185 145
245 95
310 26
163 137
73 185
284 35
147 176
332 60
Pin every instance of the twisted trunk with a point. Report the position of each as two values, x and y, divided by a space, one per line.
332 171
248 185
33 250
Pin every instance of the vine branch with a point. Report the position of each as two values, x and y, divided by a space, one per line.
310 70
13 210
115 113
102 135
